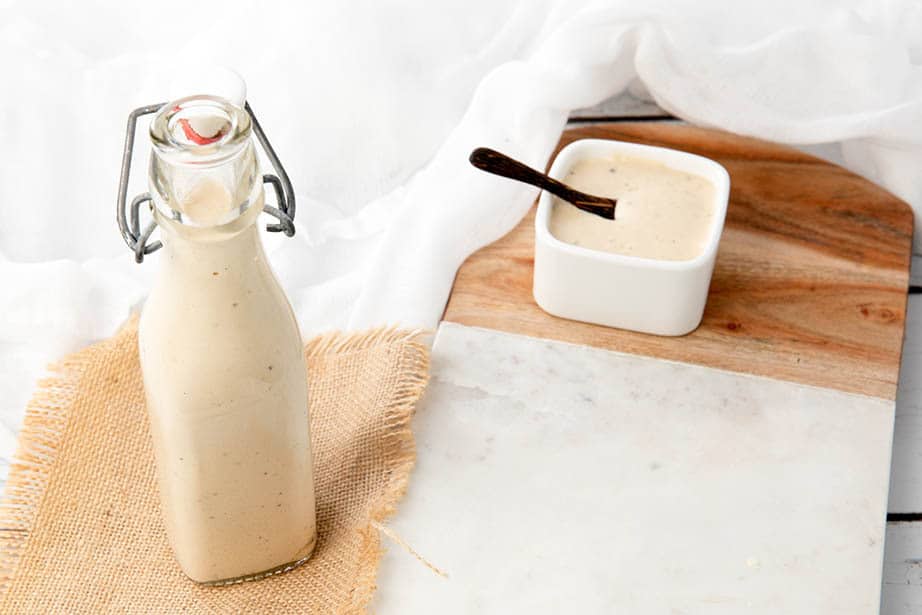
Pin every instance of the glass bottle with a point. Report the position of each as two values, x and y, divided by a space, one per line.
222 358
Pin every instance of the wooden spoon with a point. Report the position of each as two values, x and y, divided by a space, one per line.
494 162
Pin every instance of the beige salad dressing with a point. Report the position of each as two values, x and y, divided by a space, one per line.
226 387
661 214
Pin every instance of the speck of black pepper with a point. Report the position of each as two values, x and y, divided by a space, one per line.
234 304
270 368
214 273
265 474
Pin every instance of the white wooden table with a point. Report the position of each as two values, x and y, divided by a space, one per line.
902 573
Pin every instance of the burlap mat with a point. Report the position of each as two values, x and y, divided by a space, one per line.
80 527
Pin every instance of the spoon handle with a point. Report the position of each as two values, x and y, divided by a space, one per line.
491 161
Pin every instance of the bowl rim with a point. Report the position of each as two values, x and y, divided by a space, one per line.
670 157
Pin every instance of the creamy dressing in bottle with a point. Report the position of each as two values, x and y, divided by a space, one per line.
223 366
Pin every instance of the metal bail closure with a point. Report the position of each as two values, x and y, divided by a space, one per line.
129 220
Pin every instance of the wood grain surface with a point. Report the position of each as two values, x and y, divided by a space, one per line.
810 282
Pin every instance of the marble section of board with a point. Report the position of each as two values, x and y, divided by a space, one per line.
560 478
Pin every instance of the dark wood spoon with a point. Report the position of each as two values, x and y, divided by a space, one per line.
491 161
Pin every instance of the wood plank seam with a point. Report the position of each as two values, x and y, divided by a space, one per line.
591 119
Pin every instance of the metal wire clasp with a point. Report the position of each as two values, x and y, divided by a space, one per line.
129 221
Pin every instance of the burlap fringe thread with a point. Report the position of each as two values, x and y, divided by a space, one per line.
42 429
46 419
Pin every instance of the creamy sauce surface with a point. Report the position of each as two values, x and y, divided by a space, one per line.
662 213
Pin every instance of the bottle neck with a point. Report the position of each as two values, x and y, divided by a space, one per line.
206 187
202 250
203 167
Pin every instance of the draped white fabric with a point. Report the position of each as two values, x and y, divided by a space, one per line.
374 107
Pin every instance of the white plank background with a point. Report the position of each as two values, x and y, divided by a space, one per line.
902 589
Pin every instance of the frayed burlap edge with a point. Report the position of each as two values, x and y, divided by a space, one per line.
48 412
43 427
400 448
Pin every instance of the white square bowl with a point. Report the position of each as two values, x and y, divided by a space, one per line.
627 292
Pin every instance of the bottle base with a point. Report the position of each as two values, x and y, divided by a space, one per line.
308 550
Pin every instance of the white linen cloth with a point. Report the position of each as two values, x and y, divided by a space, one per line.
374 107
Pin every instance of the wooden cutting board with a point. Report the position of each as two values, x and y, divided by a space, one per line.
810 283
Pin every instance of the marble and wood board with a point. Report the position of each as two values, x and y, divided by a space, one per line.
569 468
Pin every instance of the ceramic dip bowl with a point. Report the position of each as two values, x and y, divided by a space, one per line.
663 297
